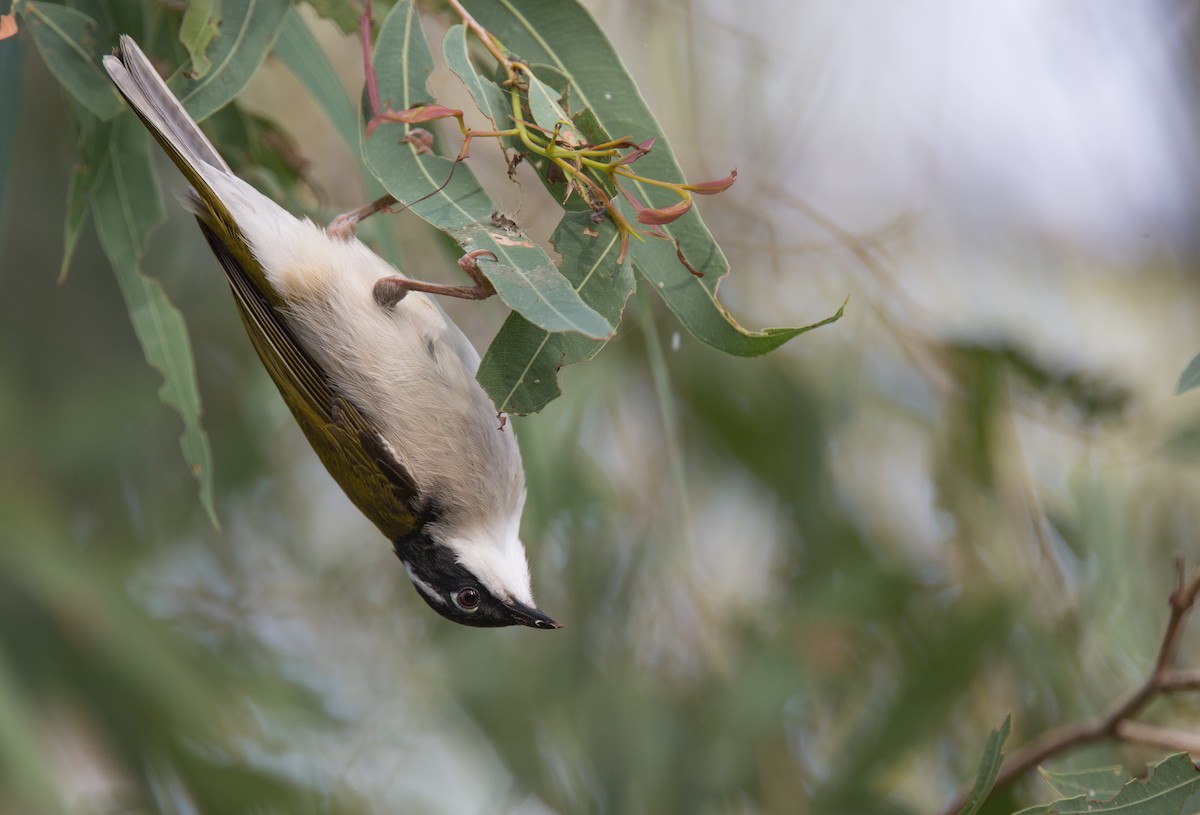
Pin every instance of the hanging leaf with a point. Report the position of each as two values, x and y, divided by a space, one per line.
71 44
489 98
199 28
126 207
300 52
989 768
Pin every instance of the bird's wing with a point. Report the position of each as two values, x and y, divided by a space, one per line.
357 456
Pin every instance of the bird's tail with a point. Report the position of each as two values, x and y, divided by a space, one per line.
156 105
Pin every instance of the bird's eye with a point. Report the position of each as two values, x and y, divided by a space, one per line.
467 599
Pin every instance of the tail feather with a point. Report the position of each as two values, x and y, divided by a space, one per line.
149 96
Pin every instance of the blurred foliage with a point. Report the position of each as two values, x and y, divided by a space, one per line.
847 581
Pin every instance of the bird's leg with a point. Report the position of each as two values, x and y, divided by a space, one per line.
389 291
345 225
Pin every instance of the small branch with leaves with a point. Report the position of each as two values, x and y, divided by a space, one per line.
599 173
1119 722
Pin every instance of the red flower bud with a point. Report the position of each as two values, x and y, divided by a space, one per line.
663 215
636 153
713 187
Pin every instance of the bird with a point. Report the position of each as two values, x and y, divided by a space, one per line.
383 387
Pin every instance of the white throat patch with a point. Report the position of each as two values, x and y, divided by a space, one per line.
497 557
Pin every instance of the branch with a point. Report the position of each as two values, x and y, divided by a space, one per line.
1118 722
1165 738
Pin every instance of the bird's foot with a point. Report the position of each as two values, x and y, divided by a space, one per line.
389 291
345 226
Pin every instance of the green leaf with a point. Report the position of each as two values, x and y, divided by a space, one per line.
199 28
1100 782
71 44
449 197
585 127
489 98
1163 792
989 768
259 151
248 28
562 34
126 207
520 369
1190 377
302 55
1067 805
343 13
10 105
548 113
91 145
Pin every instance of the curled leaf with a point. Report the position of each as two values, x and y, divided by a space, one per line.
713 187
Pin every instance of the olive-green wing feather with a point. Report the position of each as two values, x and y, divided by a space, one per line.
348 445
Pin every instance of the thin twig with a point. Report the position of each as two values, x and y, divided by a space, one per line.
1181 681
1117 722
364 33
1177 741
489 41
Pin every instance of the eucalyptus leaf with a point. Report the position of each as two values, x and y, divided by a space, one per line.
71 44
1190 378
562 33
91 144
1163 792
548 113
200 26
300 52
447 195
989 768
520 369
1100 782
343 13
248 28
1067 805
126 207
489 98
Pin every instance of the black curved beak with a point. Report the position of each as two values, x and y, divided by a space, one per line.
526 615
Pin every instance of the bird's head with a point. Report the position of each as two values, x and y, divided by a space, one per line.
474 578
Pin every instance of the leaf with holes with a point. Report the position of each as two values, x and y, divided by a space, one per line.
1164 791
520 369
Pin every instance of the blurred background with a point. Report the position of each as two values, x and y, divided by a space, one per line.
809 582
